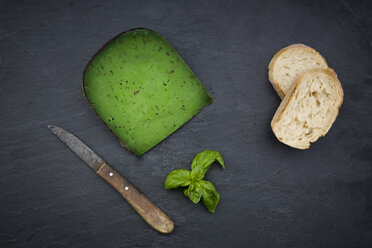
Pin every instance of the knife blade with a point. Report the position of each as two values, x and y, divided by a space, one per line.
149 212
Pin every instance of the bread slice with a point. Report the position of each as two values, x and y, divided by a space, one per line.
289 63
308 111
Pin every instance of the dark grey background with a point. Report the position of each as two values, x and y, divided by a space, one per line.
271 195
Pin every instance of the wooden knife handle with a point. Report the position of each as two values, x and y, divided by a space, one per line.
155 217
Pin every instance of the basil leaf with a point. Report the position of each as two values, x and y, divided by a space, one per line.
197 174
177 178
194 192
198 189
186 192
210 196
205 159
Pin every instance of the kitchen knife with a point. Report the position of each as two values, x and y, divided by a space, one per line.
155 217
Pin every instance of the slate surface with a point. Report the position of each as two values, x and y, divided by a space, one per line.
271 195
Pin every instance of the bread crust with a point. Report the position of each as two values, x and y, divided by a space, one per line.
283 105
275 83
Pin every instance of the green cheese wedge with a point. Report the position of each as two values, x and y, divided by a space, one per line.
142 89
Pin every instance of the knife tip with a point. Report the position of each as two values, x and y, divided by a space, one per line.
50 127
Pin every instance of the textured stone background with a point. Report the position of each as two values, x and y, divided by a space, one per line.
271 195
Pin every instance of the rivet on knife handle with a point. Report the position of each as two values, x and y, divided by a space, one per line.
155 217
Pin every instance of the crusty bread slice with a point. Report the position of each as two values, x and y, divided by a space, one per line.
308 111
289 63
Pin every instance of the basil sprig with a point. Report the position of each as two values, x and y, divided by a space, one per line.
197 188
